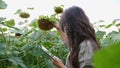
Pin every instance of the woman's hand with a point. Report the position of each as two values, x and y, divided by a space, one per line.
57 62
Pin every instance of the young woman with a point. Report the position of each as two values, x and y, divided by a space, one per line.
78 34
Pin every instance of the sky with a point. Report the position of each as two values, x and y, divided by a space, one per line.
96 10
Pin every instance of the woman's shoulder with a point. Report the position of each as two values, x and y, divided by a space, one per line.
87 49
89 43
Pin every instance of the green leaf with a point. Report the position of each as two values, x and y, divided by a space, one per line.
36 35
2 48
3 5
34 23
17 31
30 8
36 66
37 51
4 29
101 25
115 21
108 26
18 11
17 61
10 23
101 21
26 47
2 19
1 38
116 38
110 38
100 34
111 34
108 57
117 24
106 42
33 49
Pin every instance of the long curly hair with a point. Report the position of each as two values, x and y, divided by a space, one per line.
77 27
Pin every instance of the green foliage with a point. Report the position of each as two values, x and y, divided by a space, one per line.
2 48
3 5
23 51
17 61
117 24
110 38
107 38
114 22
108 57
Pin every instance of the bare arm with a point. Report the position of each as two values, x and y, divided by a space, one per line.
58 62
62 34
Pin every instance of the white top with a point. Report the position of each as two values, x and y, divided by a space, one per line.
87 49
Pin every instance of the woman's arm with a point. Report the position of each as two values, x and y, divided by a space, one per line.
62 34
57 62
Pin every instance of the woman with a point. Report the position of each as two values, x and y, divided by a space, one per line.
77 32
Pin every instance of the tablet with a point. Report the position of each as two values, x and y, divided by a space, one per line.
47 52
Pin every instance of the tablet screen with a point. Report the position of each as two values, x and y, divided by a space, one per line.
46 52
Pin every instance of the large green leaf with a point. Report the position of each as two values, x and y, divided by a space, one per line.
108 57
3 5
